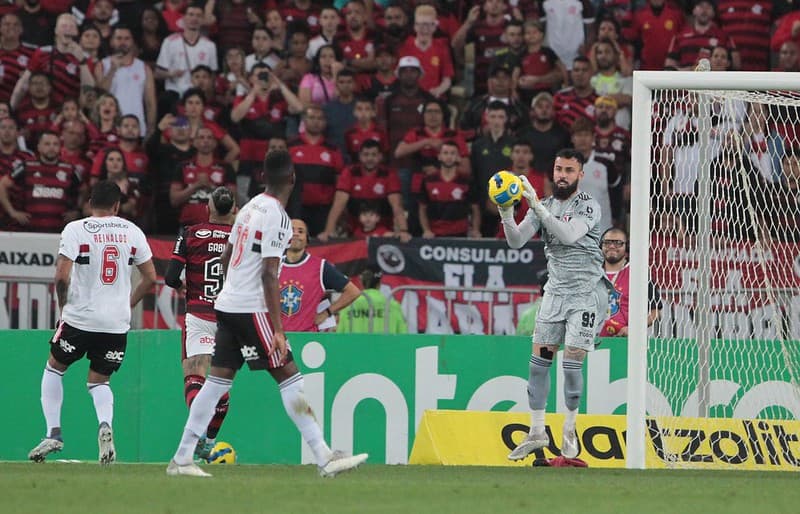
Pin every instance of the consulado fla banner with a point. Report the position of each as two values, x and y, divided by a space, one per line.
421 267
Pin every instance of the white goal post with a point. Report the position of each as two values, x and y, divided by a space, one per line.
694 383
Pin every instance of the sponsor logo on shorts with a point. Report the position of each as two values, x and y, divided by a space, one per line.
113 356
65 346
206 340
249 353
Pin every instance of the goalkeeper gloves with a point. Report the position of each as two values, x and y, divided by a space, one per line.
529 192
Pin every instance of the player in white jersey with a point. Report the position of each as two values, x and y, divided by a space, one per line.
249 328
575 302
93 285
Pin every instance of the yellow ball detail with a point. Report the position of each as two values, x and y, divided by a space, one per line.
222 453
505 189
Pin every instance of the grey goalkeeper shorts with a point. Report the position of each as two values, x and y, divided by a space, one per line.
572 320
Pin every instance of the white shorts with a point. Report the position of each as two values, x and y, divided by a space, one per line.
570 320
199 336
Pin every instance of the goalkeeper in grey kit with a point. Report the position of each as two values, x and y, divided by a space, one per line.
575 302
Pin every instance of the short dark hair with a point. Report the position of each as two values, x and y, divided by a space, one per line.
105 194
193 91
513 22
364 100
370 206
582 59
128 117
571 153
223 199
450 142
202 67
497 105
370 277
523 142
278 168
370 143
346 73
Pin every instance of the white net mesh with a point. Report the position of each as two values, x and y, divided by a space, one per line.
725 228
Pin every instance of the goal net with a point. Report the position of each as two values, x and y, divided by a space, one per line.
715 225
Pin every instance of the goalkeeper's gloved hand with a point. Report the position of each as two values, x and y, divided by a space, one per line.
506 213
528 191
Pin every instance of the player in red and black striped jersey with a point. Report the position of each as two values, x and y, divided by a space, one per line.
49 189
14 55
65 62
448 204
198 249
577 101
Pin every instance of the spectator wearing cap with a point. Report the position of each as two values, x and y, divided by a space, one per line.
384 78
612 142
433 53
540 67
696 40
576 101
474 117
569 26
609 81
489 153
400 112
484 27
749 23
168 157
653 27
545 135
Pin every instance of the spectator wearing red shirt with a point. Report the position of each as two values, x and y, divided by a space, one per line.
364 129
788 57
317 163
261 115
37 111
193 183
103 129
367 180
73 142
65 62
433 54
696 41
484 26
473 119
577 101
136 160
11 156
423 143
357 44
205 79
788 29
49 189
14 55
235 22
448 203
653 27
748 22
305 10
540 67
194 106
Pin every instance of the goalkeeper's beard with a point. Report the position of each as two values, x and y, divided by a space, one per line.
562 192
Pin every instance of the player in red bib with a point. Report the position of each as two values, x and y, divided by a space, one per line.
198 250
304 284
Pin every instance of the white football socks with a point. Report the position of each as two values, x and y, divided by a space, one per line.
103 402
298 409
52 397
200 415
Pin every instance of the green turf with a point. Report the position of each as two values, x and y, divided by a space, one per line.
61 488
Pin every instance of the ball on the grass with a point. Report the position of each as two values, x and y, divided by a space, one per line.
222 453
505 189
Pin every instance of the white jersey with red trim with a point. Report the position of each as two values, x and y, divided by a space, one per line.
103 251
262 229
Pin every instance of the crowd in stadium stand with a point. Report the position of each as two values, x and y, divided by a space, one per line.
395 112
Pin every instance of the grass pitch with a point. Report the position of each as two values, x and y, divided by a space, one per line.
64 488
